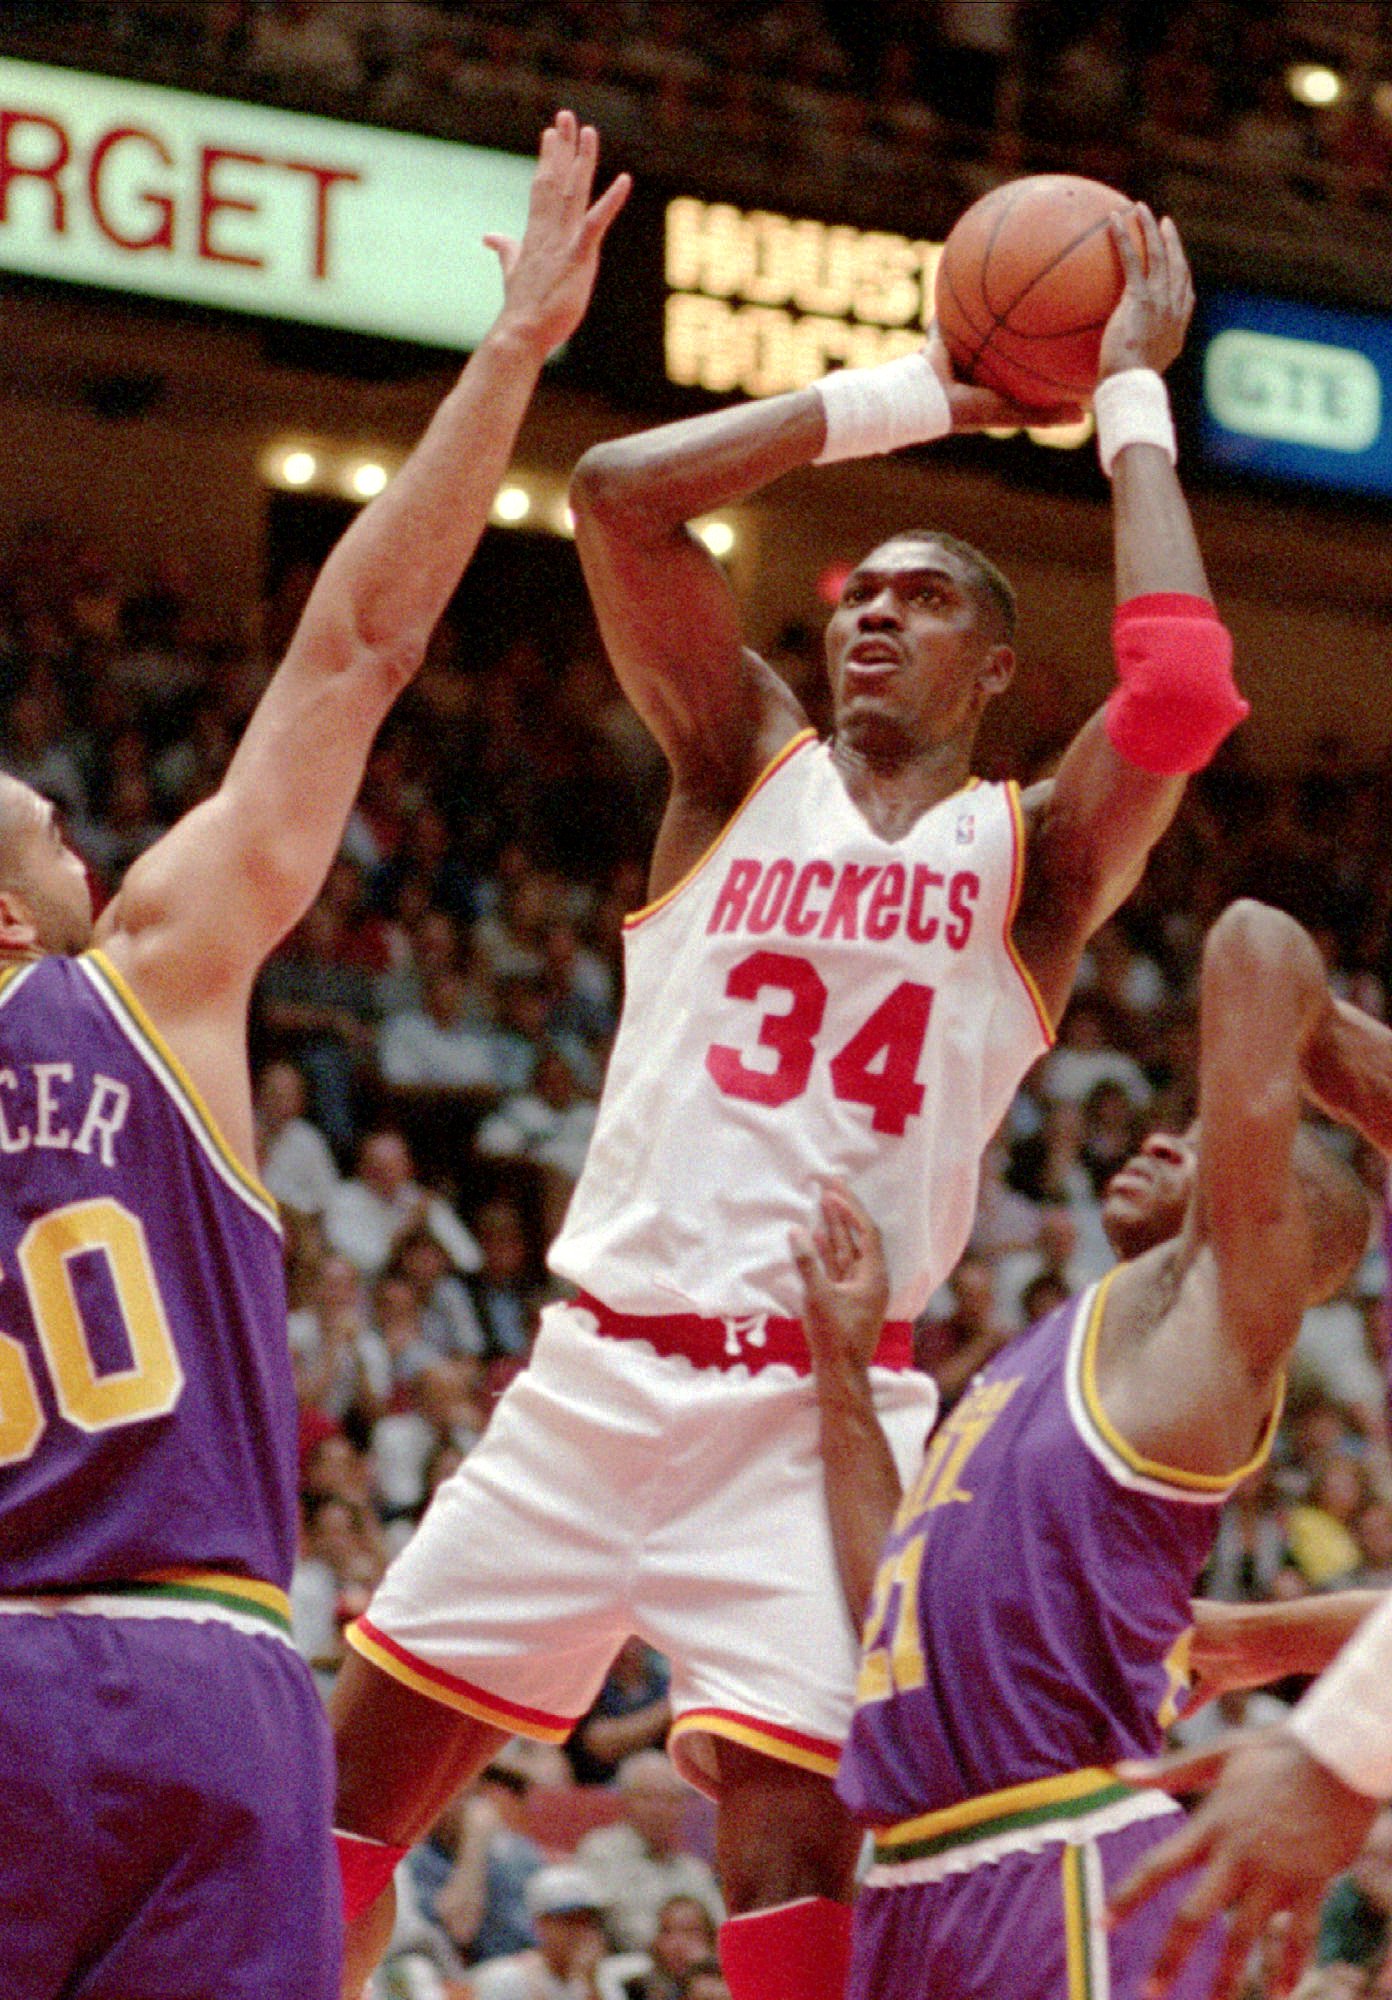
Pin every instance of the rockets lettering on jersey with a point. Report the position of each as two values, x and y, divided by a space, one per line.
810 1001
876 901
147 1410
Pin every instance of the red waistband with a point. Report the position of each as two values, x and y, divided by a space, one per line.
738 1340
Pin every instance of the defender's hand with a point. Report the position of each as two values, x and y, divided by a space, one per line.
1276 1830
549 275
1152 316
845 1281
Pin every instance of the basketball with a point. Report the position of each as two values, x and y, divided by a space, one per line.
1027 281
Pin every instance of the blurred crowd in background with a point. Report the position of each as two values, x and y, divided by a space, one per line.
854 98
429 1046
430 1043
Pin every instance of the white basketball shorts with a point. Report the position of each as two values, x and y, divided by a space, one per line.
617 1491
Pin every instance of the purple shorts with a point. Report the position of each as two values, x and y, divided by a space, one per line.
1024 1927
165 1804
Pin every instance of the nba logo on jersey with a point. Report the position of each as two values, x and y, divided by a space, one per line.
966 829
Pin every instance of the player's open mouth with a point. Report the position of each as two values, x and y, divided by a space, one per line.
871 660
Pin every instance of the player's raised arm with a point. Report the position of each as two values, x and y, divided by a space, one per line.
199 912
1120 782
845 1290
1263 992
664 606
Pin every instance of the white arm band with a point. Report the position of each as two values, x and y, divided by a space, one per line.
870 410
1132 408
1345 1719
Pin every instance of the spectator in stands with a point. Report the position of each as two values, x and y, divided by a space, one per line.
1089 1052
1250 1547
642 1860
1054 1254
370 1213
503 1290
441 1405
341 1366
293 1155
565 1908
448 1321
951 1350
630 1713
578 985
36 751
429 942
342 1559
322 1011
551 1124
481 1899
305 47
440 1045
685 1937
704 1981
1319 1532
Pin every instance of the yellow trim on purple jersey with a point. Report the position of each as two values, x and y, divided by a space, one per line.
775 764
240 1593
1037 1801
115 989
11 973
1210 1485
1017 884
418 1675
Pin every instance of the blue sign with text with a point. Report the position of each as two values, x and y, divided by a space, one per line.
1296 392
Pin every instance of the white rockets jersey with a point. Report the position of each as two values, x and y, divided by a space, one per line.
810 1000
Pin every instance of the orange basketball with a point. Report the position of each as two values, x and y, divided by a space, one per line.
1027 281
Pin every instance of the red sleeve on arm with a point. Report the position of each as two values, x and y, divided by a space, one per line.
1177 700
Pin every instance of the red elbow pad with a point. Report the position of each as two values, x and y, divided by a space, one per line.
1177 699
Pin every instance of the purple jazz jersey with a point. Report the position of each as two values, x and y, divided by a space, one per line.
164 1814
147 1409
1034 1589
1025 1630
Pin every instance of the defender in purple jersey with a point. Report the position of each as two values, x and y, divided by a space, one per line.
1028 1598
165 1767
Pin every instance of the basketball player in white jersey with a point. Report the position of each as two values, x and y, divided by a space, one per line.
851 955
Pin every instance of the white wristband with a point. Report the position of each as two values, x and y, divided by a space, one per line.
1345 1719
870 410
1132 408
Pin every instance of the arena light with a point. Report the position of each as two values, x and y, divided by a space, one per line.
1314 83
718 536
297 468
513 504
367 479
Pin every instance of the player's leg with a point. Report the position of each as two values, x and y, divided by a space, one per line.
401 1758
764 1667
501 1614
786 1851
208 1789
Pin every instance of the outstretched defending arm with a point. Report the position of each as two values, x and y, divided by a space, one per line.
845 1290
199 912
1092 827
664 606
